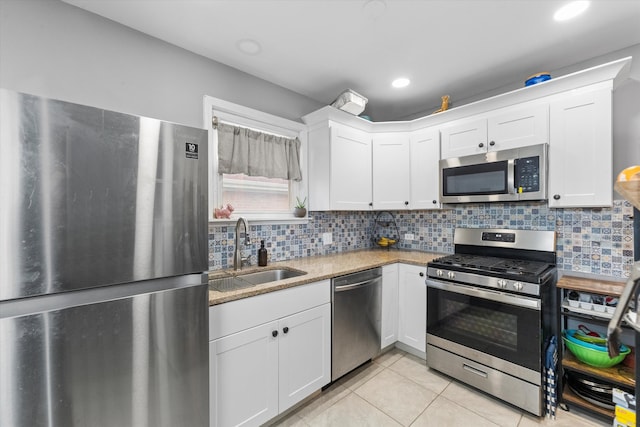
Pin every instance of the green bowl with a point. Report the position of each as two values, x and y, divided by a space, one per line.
597 358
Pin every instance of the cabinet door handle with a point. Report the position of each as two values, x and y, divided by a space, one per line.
370 203
406 203
421 274
481 145
285 329
274 334
556 197
434 202
492 143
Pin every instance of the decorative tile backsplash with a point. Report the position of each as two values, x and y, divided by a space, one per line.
597 241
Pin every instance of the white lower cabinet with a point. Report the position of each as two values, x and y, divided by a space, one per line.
243 370
260 371
389 315
304 362
412 306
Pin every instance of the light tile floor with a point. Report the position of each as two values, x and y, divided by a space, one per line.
398 389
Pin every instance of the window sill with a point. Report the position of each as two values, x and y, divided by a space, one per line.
259 220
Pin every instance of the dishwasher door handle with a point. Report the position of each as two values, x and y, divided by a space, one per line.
350 286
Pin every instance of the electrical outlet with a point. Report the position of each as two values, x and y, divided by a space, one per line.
409 236
327 238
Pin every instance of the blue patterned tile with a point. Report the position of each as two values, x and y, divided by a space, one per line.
606 232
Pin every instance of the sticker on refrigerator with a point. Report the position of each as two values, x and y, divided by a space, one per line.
191 150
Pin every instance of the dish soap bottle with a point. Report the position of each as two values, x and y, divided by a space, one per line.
262 255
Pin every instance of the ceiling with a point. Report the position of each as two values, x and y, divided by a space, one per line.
319 48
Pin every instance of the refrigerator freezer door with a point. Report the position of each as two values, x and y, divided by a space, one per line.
92 197
123 361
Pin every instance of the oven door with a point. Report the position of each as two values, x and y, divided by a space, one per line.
498 324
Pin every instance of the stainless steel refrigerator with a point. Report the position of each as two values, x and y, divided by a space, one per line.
103 245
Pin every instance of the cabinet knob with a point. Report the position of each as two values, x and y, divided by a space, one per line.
370 203
406 203
481 145
492 143
285 329
556 197
274 334
435 202
421 274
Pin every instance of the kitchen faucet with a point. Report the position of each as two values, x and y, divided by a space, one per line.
238 259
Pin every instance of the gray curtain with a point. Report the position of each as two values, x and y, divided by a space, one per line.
253 153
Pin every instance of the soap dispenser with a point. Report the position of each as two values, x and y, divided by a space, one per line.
262 254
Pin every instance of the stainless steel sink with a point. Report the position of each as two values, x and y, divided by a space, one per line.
270 275
247 280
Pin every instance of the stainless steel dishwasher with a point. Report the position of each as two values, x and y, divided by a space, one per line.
356 313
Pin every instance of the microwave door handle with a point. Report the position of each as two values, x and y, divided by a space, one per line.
511 176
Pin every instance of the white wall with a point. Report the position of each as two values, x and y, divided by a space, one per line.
53 49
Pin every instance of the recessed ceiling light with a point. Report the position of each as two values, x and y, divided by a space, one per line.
400 82
249 46
570 10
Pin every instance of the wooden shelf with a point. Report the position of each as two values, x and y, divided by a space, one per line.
619 374
593 286
568 396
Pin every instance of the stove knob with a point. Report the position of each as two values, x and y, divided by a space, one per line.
502 283
439 273
451 275
517 286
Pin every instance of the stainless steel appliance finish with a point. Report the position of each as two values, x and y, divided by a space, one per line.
125 355
103 241
509 388
506 175
93 197
490 312
356 316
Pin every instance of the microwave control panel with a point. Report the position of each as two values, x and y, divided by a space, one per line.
527 179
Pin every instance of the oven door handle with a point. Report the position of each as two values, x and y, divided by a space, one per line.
487 294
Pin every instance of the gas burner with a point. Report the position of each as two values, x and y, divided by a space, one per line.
503 267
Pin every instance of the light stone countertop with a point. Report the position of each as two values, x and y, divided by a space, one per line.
317 268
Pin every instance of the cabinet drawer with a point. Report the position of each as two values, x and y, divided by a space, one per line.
235 316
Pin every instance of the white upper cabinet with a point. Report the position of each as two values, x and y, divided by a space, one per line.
350 168
355 164
580 150
502 129
339 168
391 171
463 138
518 127
425 177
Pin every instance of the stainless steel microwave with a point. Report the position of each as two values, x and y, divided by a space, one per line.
496 176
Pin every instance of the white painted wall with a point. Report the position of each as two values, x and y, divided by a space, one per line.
53 49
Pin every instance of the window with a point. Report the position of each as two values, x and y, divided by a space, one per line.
250 194
253 197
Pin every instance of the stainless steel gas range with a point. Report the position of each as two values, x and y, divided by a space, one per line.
491 310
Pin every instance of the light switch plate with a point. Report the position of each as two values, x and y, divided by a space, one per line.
327 238
409 236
